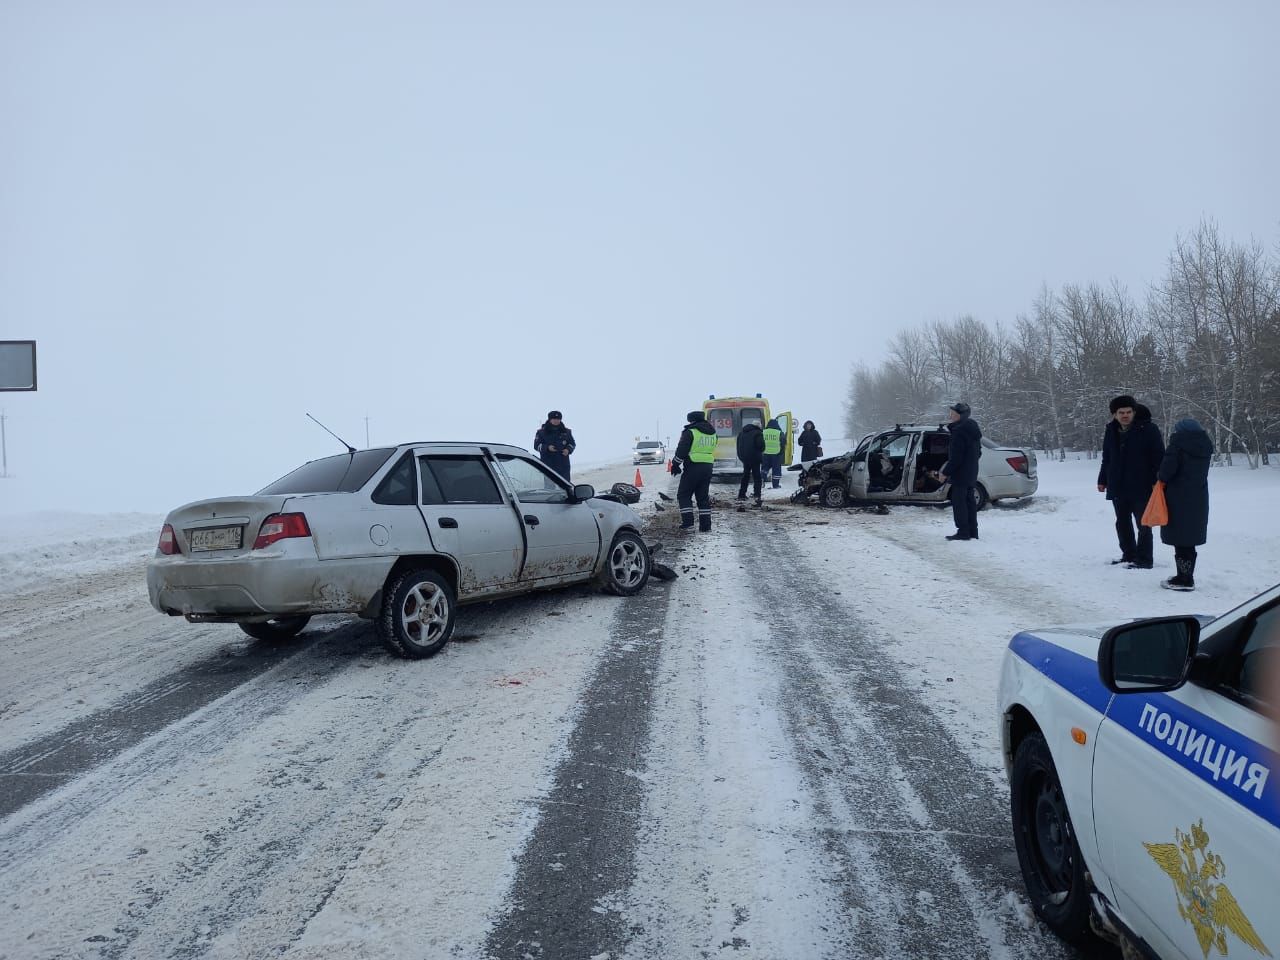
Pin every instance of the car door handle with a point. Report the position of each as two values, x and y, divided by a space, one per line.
530 519
449 522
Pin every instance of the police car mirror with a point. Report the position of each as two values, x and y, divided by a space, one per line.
583 491
1148 656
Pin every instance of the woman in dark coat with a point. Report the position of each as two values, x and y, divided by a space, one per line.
1185 473
810 443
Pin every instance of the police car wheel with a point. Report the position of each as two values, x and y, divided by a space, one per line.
1052 867
627 565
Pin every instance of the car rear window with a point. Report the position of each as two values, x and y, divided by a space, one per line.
345 473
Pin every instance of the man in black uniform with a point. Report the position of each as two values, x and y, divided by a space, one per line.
751 453
961 469
692 463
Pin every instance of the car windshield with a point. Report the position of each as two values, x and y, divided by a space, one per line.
648 445
344 473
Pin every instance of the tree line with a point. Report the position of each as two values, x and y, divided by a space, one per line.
1205 343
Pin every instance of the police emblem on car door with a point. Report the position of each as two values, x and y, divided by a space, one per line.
1204 900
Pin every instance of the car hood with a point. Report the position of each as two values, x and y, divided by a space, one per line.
615 514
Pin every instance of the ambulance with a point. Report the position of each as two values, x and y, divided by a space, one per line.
729 415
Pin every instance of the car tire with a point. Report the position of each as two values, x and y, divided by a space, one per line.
1053 868
278 630
627 565
833 493
417 614
980 493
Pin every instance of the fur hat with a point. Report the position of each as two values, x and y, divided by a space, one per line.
695 415
555 415
1124 400
960 407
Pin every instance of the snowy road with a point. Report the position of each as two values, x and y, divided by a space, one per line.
788 752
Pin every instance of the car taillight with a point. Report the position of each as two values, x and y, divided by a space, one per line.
281 526
168 544
1019 463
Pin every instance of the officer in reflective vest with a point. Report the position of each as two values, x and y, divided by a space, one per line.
773 435
692 463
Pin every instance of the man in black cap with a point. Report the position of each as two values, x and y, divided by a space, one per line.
961 469
1131 452
694 455
554 443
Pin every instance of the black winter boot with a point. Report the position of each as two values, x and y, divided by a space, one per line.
1184 579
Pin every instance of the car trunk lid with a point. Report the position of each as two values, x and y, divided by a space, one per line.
221 528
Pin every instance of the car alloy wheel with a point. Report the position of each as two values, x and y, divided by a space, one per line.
277 630
417 614
627 565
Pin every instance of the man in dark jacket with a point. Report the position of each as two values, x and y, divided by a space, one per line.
694 455
1184 471
1131 452
751 453
554 443
961 469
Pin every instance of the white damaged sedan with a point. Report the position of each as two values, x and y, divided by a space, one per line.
1141 762
401 535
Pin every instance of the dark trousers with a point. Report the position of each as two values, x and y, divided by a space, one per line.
750 471
1128 515
773 468
695 481
964 507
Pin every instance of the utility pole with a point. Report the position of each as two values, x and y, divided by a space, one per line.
4 449
366 433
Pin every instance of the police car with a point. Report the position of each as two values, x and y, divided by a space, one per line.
1142 770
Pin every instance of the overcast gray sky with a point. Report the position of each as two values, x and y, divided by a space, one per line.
451 217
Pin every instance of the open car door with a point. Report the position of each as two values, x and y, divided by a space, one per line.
787 422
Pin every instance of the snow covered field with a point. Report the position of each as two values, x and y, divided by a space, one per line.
789 751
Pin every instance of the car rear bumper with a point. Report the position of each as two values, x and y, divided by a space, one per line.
263 585
1010 487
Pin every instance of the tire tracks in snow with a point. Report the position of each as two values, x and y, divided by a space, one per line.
925 851
581 853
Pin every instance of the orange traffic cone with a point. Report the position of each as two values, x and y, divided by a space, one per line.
639 482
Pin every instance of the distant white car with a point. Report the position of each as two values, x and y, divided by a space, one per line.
1142 779
649 451
401 535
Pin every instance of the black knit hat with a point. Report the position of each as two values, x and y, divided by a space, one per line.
1124 400
961 408
695 415
555 415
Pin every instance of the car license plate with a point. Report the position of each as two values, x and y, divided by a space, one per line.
215 538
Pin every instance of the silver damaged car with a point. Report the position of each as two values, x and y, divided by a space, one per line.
400 535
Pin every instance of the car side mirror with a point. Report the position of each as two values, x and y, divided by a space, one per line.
583 491
1148 656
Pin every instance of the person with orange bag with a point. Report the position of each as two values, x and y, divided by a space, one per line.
1184 471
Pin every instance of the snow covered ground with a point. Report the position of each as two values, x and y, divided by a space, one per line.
789 751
